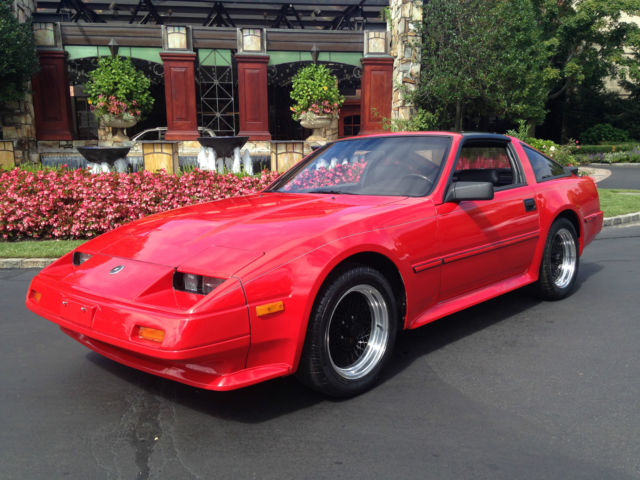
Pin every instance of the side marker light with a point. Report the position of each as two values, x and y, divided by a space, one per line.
269 308
36 296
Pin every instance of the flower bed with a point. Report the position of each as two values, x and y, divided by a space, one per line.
77 204
632 156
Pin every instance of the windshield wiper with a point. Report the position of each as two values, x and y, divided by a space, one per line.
329 190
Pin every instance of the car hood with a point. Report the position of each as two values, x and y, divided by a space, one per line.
233 232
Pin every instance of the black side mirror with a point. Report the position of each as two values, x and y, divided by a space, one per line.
459 191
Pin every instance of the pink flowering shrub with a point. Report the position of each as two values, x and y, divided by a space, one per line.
77 204
112 106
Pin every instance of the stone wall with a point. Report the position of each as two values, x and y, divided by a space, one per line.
23 9
18 121
406 16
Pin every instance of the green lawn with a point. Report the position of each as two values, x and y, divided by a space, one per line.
618 202
38 248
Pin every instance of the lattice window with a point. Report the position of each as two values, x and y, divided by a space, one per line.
216 91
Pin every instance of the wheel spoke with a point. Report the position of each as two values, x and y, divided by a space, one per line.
563 258
358 331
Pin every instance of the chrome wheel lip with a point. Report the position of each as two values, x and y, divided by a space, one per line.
565 271
378 337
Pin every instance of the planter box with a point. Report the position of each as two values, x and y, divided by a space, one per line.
7 158
160 155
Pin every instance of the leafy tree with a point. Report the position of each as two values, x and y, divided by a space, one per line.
589 42
517 63
18 61
482 57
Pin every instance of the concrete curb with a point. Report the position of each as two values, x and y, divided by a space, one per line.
20 263
621 219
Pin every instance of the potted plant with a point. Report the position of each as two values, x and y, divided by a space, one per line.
317 98
118 94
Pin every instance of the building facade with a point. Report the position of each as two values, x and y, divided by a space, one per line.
225 67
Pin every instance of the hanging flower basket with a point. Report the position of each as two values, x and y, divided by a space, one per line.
119 94
315 90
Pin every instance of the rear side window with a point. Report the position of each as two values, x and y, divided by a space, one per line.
543 167
486 162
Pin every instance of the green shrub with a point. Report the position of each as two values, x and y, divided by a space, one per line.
116 87
18 61
605 148
630 156
604 132
560 153
314 89
522 132
422 121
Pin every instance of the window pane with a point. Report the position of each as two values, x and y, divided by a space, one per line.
485 163
483 157
543 167
401 165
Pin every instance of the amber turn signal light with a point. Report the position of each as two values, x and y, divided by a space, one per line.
35 296
269 308
153 334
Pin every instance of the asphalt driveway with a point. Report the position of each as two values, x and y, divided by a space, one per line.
622 176
512 389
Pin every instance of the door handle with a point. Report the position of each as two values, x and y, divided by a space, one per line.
529 205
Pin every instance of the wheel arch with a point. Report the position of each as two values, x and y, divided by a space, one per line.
304 365
574 218
369 257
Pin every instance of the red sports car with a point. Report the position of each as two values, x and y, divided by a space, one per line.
318 273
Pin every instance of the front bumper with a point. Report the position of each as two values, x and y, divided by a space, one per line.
202 372
203 350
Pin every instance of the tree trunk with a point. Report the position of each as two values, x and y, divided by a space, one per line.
563 128
458 121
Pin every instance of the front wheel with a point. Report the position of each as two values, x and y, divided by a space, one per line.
560 261
351 333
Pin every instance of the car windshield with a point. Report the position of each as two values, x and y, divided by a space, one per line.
405 165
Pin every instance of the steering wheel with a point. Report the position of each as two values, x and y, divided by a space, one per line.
412 188
417 175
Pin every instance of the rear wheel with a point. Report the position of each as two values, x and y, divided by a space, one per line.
351 333
560 261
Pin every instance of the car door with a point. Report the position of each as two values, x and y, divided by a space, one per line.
484 242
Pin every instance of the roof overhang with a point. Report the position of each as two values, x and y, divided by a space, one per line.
299 14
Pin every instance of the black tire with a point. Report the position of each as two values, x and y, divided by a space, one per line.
343 352
560 261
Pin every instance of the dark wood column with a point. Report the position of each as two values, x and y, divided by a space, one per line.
377 83
180 95
252 96
51 99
